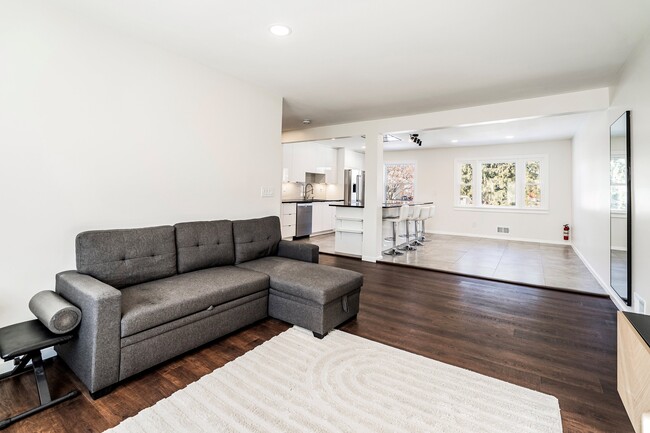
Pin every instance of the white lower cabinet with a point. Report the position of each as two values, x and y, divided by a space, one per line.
288 220
323 217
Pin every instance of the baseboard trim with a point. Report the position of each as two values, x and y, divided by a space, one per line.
612 295
503 238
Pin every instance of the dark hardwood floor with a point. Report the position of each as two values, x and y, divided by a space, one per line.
558 343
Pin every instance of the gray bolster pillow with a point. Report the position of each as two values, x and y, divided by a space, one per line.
57 314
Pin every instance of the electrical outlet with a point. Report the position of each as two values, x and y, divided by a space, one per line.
639 304
267 191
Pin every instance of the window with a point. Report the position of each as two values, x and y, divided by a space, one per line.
498 184
504 183
399 181
466 193
618 183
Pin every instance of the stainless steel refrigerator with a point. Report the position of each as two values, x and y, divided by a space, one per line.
354 187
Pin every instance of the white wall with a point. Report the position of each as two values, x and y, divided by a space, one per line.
435 182
100 131
591 176
633 93
591 195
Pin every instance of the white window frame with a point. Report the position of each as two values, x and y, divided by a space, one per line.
415 175
520 183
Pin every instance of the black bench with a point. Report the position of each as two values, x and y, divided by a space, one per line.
23 342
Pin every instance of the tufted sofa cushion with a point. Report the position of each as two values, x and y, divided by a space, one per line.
256 238
122 258
204 244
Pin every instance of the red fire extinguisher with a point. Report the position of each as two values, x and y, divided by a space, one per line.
566 232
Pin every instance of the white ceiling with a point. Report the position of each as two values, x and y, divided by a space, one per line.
365 59
517 131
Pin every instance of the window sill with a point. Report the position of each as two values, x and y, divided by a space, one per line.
505 210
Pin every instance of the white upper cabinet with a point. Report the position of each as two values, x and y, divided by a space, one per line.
354 160
287 162
301 158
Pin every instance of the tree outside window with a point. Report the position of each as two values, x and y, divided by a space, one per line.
498 184
514 182
399 182
533 190
466 180
618 183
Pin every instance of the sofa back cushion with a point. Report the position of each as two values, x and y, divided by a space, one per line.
122 258
256 238
204 244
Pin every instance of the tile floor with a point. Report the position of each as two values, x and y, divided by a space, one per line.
520 262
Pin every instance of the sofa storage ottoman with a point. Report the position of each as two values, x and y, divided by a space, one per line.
309 295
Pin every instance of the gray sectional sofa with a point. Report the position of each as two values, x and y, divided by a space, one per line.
149 294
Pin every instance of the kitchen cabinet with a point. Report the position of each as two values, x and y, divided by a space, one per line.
287 162
288 220
354 160
323 217
301 158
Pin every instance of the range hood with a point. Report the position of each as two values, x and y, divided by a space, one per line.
314 178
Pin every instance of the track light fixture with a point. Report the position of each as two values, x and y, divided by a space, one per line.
414 138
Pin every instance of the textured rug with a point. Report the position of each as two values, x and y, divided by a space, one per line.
344 383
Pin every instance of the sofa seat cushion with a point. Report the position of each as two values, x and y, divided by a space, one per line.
151 304
318 283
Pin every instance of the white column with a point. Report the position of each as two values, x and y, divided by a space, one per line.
372 225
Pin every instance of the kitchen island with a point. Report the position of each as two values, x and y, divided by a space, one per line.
349 225
348 228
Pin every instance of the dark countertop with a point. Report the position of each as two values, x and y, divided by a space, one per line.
347 205
400 203
316 200
641 323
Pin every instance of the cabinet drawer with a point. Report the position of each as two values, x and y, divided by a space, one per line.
288 208
288 220
288 231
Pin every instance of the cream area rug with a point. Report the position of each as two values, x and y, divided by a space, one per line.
344 383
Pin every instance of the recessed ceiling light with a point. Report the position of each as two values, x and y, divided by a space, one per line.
363 147
280 30
454 141
510 136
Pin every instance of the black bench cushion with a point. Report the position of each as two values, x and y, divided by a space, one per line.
25 337
122 258
204 244
318 283
151 304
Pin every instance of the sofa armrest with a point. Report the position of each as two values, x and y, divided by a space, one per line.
298 251
94 354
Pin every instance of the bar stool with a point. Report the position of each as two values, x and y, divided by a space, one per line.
414 214
403 215
432 211
419 234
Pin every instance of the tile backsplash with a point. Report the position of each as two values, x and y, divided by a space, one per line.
295 190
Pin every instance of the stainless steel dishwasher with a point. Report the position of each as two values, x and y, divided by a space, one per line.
303 219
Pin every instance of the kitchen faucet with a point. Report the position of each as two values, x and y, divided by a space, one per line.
309 191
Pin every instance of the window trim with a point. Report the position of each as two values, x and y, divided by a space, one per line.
520 183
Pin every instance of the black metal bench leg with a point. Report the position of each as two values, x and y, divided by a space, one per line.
41 379
41 385
7 422
21 367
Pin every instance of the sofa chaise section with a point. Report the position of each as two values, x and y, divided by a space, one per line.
302 292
